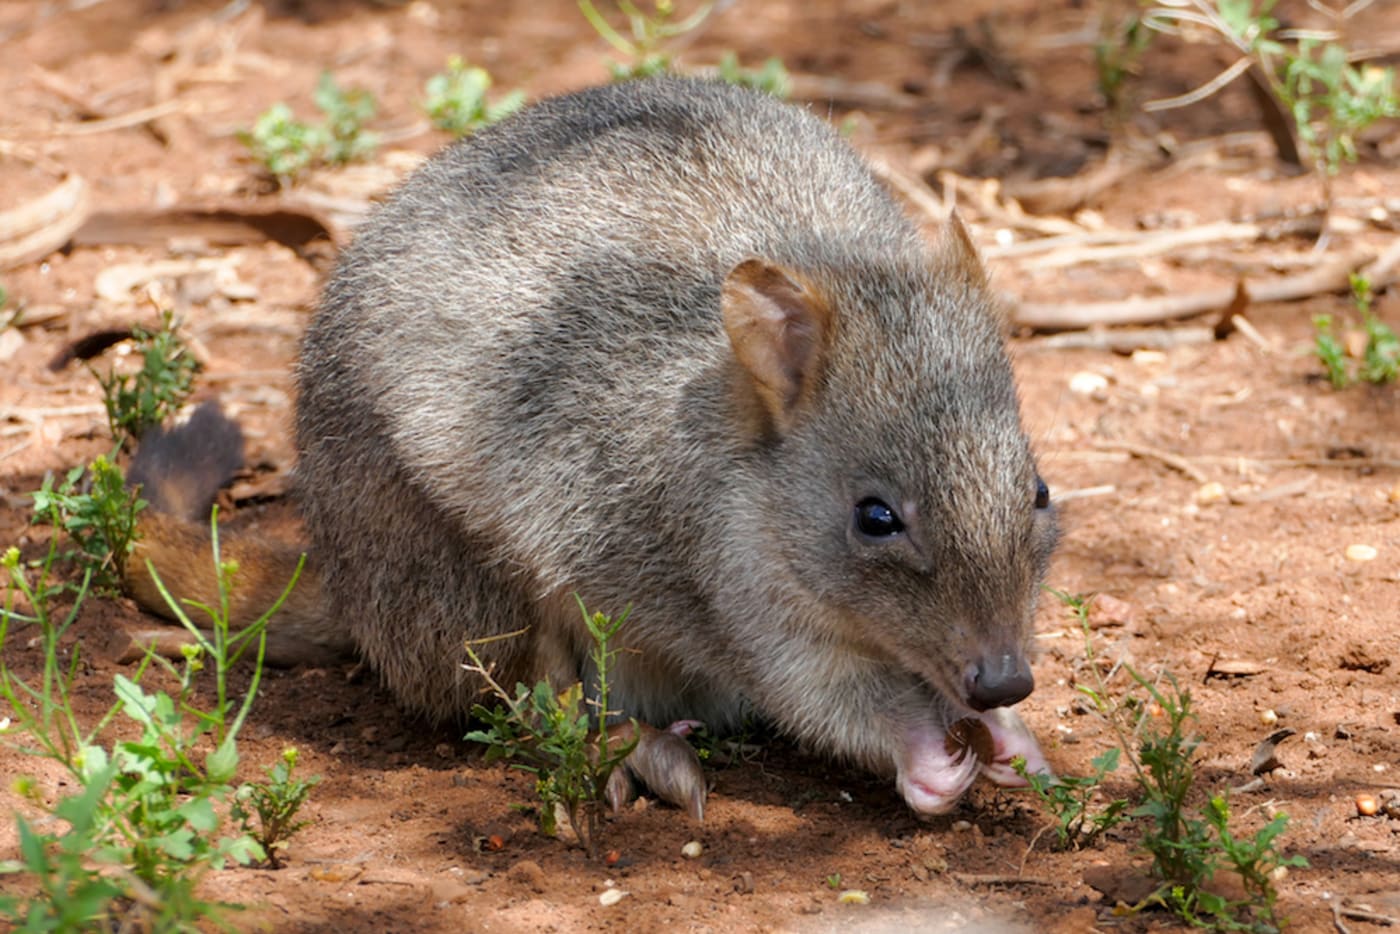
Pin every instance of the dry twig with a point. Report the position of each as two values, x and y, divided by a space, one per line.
35 229
1174 461
1333 276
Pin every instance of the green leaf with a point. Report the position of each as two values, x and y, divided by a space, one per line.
222 763
199 814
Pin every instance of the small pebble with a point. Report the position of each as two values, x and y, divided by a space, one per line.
1268 717
1367 805
961 826
1108 610
853 897
1086 383
1211 492
1148 357
1355 342
611 897
692 850
1361 553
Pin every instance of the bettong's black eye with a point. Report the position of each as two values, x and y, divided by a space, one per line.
1042 494
875 519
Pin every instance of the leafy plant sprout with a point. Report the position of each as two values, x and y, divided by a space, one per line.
144 823
559 737
1150 724
1328 99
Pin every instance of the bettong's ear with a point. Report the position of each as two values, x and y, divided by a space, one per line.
959 253
779 329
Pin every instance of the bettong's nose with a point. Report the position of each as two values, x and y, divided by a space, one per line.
1000 681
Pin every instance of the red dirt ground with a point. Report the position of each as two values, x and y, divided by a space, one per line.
1252 579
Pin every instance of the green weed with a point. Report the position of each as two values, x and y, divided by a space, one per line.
143 825
557 738
140 400
651 32
1380 355
1123 40
97 515
455 100
1072 800
275 802
347 112
770 78
286 146
1328 100
1151 723
1332 100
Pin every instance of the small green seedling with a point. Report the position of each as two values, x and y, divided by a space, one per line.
556 737
347 112
1072 800
138 401
286 146
141 823
770 78
97 514
1380 355
833 881
275 802
646 51
1150 722
455 100
1122 42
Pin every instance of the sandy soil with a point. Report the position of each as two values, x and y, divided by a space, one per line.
1243 591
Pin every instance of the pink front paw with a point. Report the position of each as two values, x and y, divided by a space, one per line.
1010 739
932 776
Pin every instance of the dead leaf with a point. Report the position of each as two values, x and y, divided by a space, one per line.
1232 668
1128 885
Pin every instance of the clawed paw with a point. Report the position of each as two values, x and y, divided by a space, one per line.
662 761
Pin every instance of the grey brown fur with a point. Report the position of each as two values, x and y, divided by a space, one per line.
529 378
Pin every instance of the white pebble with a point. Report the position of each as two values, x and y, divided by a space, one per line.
961 826
611 897
1086 383
1211 492
1268 717
1361 553
692 850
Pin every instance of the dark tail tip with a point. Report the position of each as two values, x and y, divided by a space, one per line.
181 467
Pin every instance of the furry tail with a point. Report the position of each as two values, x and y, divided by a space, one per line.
179 471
